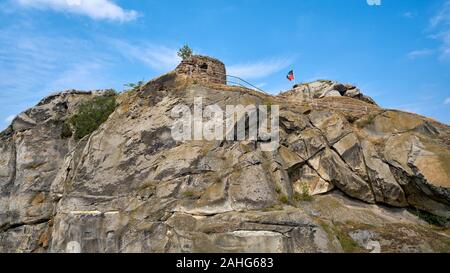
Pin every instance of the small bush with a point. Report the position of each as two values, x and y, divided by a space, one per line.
304 195
110 93
66 131
90 115
284 199
369 120
134 86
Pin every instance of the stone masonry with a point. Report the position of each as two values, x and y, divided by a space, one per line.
204 69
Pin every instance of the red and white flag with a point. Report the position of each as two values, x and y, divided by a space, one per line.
290 75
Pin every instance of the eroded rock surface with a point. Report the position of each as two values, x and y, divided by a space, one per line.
129 187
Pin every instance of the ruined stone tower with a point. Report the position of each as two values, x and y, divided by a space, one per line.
204 69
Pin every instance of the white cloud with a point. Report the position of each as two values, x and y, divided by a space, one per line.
157 57
443 16
440 25
420 53
445 48
85 75
409 15
259 69
34 65
31 66
10 118
447 101
96 9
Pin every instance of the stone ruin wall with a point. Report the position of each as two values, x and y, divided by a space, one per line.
204 69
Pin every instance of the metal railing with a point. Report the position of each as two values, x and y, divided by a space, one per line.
241 82
245 85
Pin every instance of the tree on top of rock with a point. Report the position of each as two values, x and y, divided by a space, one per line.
185 52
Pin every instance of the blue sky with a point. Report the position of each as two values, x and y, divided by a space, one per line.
398 52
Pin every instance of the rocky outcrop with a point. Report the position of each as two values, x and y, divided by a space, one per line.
31 154
325 88
342 179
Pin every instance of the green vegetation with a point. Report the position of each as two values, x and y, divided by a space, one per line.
185 52
278 189
274 207
90 115
268 102
66 130
347 243
190 194
304 195
134 86
430 218
284 199
369 120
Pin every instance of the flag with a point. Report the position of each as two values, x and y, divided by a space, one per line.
290 75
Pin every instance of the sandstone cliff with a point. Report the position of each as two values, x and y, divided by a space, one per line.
346 177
